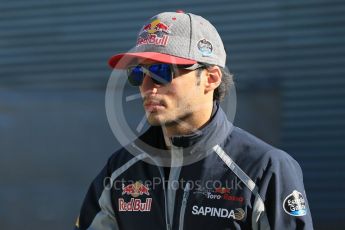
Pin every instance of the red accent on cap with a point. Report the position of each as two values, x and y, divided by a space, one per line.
179 11
121 61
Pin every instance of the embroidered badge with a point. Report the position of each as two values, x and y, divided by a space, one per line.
294 204
135 205
154 33
220 193
236 214
136 189
205 47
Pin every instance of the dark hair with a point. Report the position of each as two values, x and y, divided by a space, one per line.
223 89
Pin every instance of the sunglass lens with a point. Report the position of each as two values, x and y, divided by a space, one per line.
135 75
161 73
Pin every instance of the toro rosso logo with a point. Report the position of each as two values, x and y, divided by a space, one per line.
221 193
154 33
136 189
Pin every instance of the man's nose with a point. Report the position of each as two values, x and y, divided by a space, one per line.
148 83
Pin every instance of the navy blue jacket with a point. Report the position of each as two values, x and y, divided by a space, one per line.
240 182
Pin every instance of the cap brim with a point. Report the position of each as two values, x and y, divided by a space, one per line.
121 61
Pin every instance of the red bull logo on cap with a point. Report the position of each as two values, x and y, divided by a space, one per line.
155 26
154 33
136 189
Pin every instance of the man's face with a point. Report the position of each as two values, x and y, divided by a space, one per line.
174 103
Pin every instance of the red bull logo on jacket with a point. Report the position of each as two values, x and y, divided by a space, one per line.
136 189
135 205
154 33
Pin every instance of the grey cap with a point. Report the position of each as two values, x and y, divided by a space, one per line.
176 38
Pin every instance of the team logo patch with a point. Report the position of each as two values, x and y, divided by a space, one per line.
154 33
237 214
205 47
221 193
135 205
136 189
294 204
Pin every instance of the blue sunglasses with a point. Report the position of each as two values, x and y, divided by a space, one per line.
160 73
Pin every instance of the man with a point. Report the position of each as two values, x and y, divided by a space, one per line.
227 178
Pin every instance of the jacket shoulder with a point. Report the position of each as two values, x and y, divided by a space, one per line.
118 159
253 155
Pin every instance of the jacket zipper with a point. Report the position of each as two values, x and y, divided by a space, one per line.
168 226
183 206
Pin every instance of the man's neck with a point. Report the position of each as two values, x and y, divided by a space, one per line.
188 125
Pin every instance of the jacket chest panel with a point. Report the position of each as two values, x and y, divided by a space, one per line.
138 200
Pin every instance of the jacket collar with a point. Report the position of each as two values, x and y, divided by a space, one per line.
213 133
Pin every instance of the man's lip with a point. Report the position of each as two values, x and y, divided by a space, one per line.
152 105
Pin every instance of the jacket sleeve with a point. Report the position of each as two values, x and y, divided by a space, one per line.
96 211
282 191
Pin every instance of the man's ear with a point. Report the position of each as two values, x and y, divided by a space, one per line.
213 78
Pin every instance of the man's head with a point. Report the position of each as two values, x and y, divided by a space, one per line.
179 63
186 100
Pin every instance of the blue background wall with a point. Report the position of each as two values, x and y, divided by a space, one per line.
288 58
